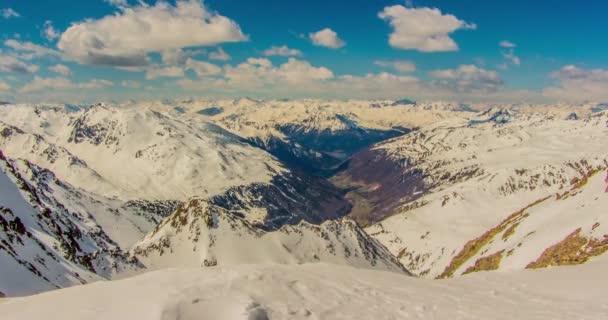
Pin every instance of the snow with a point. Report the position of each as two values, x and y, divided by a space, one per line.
100 158
201 234
135 153
530 157
322 291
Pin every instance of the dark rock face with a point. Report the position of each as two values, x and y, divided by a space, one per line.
153 211
77 241
289 199
95 133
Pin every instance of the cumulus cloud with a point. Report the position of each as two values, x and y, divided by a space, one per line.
49 31
174 56
164 72
326 38
8 13
61 69
127 37
12 64
59 83
4 86
219 54
399 65
296 78
283 51
576 85
467 78
202 68
422 29
260 72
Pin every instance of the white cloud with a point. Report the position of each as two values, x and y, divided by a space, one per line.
49 32
4 86
283 51
507 44
399 65
61 69
30 50
259 77
327 38
423 29
59 83
11 64
467 78
164 72
126 38
219 54
202 68
261 72
174 56
8 13
577 85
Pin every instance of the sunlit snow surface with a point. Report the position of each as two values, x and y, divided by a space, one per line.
320 291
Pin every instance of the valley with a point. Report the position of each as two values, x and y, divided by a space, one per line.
430 190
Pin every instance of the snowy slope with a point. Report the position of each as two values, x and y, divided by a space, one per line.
200 234
568 228
134 153
451 182
150 161
313 135
43 245
111 174
320 291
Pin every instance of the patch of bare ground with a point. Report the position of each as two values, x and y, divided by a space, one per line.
472 247
509 226
491 262
574 249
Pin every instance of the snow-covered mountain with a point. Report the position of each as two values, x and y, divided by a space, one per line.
43 244
107 191
428 195
200 234
134 153
324 291
313 135
114 173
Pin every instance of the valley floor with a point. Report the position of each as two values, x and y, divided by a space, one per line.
322 291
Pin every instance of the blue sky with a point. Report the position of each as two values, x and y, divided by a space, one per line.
68 51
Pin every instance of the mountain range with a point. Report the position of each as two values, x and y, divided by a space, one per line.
430 190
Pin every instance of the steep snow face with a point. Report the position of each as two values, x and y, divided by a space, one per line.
320 291
43 245
135 154
449 183
200 234
108 175
568 228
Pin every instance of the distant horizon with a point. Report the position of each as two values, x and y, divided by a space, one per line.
427 50
186 99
